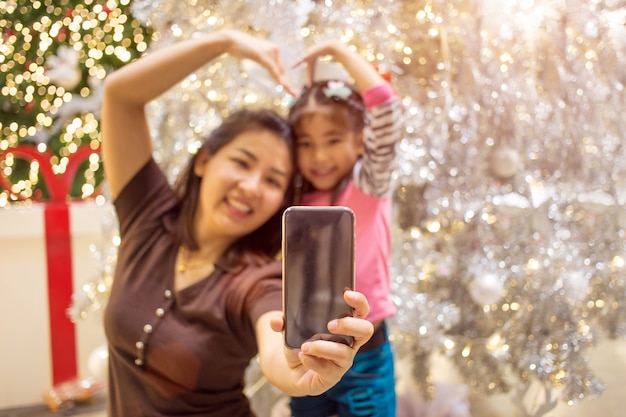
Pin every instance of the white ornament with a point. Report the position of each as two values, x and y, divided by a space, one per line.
596 202
505 162
98 363
541 194
575 285
63 70
486 289
511 204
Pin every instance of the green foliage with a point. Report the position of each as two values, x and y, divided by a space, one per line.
60 112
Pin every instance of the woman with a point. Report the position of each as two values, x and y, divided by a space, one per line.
196 293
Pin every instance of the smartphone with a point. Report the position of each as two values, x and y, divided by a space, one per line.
318 266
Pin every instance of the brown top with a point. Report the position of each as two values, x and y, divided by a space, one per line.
185 353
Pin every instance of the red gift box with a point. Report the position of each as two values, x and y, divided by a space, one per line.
44 267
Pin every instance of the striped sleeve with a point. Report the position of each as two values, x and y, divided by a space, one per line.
374 171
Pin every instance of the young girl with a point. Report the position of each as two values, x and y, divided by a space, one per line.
197 293
345 148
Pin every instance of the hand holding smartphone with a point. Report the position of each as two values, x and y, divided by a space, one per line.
318 266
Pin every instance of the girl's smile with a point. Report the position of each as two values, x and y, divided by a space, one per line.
326 151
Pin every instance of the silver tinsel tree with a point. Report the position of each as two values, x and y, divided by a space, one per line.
509 254
510 218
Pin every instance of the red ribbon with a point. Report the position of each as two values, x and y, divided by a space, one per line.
58 254
59 186
60 289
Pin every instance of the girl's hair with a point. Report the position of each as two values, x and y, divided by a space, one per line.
264 240
347 109
345 100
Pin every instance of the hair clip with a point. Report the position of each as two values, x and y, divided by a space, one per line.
337 90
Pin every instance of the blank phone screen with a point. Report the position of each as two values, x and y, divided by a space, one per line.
318 266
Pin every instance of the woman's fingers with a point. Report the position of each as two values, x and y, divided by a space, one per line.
358 302
273 63
325 355
263 52
277 322
356 326
323 362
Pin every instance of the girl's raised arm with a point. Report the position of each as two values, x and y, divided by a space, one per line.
364 74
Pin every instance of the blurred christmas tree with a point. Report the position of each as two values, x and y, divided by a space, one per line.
510 218
53 58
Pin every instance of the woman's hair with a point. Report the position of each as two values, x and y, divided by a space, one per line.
345 100
265 239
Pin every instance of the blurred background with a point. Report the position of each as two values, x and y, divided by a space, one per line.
509 220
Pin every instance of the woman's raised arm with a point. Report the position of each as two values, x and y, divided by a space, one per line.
126 141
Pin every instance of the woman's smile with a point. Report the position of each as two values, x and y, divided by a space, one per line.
239 208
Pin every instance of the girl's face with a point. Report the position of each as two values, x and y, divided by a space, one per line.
243 184
326 151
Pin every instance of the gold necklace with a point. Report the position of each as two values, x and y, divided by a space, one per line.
183 265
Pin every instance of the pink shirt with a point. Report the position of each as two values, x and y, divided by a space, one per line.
372 244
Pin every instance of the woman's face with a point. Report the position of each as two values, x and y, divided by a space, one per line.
243 184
